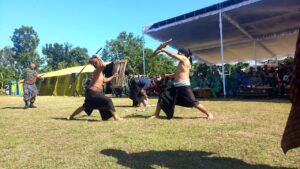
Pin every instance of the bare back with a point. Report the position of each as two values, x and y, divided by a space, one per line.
183 70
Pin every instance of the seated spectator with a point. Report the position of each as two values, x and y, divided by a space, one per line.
215 83
282 71
265 72
254 79
273 81
203 82
261 75
235 80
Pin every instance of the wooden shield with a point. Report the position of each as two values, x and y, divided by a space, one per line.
119 67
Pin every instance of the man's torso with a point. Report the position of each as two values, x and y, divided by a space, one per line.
97 80
29 76
183 71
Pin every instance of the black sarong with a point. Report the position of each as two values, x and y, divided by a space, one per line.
291 135
97 100
134 94
182 96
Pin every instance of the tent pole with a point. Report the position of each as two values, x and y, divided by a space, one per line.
222 51
254 54
143 45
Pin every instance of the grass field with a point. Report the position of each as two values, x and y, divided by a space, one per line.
244 134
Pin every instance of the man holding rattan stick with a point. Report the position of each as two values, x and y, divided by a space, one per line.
181 92
94 97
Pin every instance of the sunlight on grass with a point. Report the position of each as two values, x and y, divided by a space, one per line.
245 134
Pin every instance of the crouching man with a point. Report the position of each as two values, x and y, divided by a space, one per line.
94 97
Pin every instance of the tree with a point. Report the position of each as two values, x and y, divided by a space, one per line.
54 53
288 61
61 56
129 47
125 46
25 41
6 57
161 64
77 56
200 68
7 71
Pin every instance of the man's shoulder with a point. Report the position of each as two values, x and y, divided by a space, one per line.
184 60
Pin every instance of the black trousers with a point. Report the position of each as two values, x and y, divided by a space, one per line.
97 100
182 96
134 92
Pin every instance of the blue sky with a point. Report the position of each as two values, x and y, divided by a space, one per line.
88 23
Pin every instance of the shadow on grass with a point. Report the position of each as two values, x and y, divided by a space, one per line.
76 119
178 159
12 108
161 117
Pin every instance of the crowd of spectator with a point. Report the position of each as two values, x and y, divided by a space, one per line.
276 78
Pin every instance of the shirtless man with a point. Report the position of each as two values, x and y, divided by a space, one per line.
94 98
181 92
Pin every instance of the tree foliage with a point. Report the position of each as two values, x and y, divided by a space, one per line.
288 61
159 65
7 71
61 56
199 68
25 42
129 47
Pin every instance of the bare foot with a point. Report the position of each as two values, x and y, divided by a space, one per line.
210 116
70 118
118 119
153 117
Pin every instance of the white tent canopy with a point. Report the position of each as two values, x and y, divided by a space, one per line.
252 29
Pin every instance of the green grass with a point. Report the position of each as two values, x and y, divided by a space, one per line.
244 134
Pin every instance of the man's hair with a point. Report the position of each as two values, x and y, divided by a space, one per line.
93 59
187 53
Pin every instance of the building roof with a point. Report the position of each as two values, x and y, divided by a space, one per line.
272 24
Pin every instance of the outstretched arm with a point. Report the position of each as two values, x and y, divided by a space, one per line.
110 78
162 45
173 55
170 75
38 76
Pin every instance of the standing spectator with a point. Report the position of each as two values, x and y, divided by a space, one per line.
30 90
